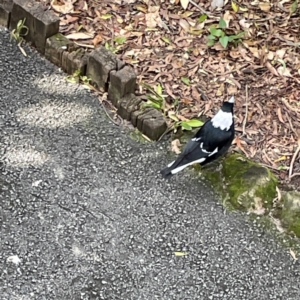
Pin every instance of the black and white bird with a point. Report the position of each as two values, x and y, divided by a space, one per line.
211 141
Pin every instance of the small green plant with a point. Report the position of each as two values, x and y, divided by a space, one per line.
219 35
116 44
20 31
186 124
18 34
157 100
76 77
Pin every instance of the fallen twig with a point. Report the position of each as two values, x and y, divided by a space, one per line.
203 10
246 113
269 166
293 159
289 107
169 129
294 175
104 108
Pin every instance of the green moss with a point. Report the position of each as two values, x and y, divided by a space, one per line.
241 183
290 213
286 240
268 191
247 181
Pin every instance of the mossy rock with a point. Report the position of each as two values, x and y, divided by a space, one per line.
248 186
290 214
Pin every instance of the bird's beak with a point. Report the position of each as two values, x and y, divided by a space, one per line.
231 100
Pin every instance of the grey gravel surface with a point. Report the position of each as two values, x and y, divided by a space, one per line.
85 215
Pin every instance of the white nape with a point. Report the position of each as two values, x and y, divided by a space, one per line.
222 120
231 100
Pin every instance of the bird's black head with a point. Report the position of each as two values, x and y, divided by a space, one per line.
228 106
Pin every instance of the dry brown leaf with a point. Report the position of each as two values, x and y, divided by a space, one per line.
284 71
64 7
258 208
264 6
216 3
239 144
184 25
152 17
232 90
279 114
270 55
184 3
220 90
79 36
175 146
280 53
271 69
227 18
254 51
244 24
293 254
97 39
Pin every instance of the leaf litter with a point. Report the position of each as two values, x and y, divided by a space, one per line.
166 42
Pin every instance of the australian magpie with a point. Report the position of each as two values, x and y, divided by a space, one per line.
211 141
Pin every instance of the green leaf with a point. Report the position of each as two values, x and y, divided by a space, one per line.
234 6
152 104
154 99
159 89
185 80
106 16
282 62
283 168
222 23
173 117
239 35
179 253
294 6
120 40
185 126
193 123
20 24
210 43
202 18
211 37
166 40
216 32
236 36
224 41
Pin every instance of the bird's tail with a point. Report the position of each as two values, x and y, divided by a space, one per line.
175 167
166 172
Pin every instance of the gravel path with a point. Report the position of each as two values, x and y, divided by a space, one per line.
85 215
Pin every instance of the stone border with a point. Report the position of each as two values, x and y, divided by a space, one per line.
106 71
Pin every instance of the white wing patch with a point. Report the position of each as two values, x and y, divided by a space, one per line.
222 120
171 163
195 139
176 170
202 149
212 153
209 153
